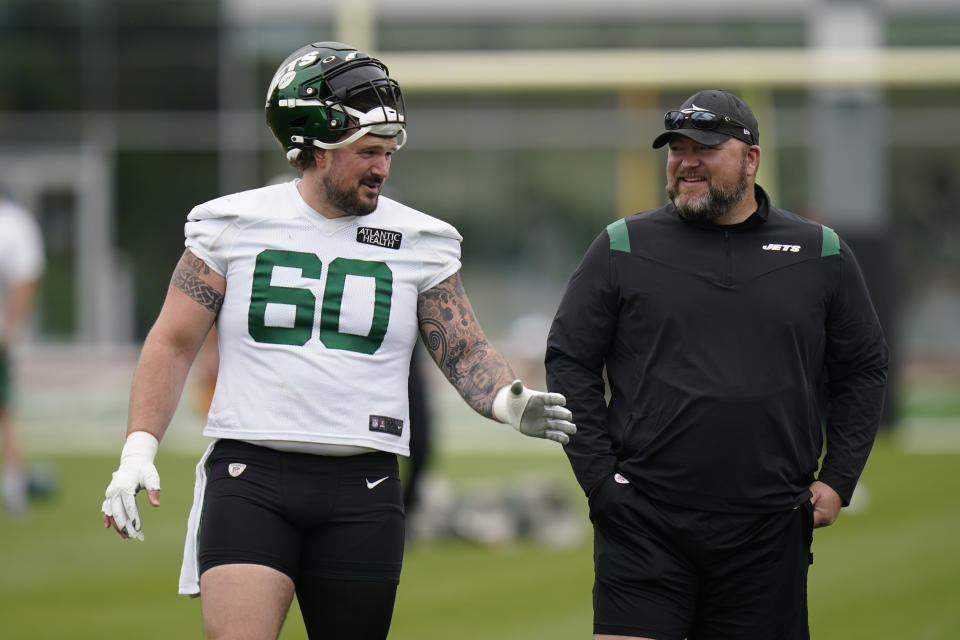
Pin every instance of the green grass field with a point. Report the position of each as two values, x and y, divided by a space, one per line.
891 569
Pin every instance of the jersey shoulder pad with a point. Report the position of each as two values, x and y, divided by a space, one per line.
246 205
415 224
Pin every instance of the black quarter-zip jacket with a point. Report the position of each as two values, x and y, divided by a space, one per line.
729 351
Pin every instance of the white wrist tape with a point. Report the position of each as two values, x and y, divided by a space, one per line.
509 403
140 444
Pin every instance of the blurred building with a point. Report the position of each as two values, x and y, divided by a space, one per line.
530 129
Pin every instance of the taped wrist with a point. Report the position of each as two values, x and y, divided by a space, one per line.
509 403
139 444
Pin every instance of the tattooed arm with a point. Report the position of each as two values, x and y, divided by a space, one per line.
193 300
456 342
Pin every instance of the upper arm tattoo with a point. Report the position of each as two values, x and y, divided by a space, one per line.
456 342
186 278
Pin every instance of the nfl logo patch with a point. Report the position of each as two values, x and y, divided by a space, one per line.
236 468
386 424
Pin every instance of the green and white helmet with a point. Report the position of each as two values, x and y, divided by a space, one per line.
326 90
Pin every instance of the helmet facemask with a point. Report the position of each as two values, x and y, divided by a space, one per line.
372 106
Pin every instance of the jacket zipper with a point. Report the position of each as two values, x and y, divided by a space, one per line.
728 272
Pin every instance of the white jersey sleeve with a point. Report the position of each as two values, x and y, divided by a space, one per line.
319 317
21 249
208 230
21 244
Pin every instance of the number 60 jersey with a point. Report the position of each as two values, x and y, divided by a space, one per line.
319 318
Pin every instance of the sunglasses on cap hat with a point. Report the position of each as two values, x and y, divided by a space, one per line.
707 121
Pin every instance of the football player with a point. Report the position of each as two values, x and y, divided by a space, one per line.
319 288
21 264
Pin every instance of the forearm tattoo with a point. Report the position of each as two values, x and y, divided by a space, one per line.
186 277
454 339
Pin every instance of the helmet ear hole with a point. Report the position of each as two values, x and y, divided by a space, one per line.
298 126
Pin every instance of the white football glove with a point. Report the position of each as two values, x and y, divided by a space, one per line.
136 472
534 413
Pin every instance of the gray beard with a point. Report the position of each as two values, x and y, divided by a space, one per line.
347 200
718 201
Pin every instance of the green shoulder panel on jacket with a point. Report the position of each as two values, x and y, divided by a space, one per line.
831 242
619 237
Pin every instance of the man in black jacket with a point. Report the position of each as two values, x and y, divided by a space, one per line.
733 336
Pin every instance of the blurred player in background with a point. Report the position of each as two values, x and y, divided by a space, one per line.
729 331
21 263
421 434
318 288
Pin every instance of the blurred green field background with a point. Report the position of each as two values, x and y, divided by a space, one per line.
890 568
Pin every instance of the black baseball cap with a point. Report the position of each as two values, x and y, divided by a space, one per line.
724 116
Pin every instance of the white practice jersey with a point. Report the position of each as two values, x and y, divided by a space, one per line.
319 318
21 249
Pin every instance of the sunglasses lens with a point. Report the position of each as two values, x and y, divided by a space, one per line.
673 120
704 120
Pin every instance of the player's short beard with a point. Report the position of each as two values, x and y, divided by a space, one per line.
719 200
347 200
